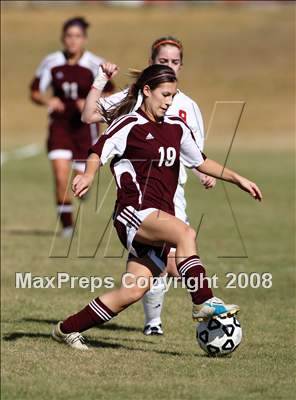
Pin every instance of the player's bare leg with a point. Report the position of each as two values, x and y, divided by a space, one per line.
162 227
62 170
134 285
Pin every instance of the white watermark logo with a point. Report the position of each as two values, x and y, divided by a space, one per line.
242 280
26 280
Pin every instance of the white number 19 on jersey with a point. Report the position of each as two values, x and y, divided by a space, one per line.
167 156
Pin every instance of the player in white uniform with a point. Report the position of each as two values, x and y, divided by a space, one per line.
167 51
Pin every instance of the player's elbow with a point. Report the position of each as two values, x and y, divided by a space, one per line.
84 119
87 118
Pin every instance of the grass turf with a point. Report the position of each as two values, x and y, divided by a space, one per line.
123 363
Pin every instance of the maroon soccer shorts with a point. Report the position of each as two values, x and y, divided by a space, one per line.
127 221
70 141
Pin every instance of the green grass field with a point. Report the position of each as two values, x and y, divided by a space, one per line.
122 362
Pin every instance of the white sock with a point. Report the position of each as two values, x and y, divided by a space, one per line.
153 302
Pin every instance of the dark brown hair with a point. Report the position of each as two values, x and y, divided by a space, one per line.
77 21
152 76
171 40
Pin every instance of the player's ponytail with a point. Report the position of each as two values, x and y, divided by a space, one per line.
152 76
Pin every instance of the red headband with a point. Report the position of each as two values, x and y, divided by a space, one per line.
169 41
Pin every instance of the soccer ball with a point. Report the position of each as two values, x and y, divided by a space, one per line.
220 336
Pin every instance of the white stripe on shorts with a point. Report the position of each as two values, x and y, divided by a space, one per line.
60 154
127 222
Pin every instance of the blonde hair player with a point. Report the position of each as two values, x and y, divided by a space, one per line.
164 51
149 140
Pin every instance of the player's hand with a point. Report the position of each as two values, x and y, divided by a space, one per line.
81 184
109 69
55 104
249 187
207 181
80 104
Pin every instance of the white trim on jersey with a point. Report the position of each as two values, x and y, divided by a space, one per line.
190 154
43 72
91 61
116 144
123 166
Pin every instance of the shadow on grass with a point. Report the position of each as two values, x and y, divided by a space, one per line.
28 232
106 327
13 336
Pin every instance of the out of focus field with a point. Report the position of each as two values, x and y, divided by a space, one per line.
231 54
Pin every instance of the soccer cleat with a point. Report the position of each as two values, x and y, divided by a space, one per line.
213 308
153 330
73 339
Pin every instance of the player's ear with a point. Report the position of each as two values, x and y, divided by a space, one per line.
146 91
150 61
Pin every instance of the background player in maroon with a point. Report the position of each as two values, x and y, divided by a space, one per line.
145 221
69 73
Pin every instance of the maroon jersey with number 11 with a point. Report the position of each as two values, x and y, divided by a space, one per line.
69 83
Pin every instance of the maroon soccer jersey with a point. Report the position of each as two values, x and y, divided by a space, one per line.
69 83
146 159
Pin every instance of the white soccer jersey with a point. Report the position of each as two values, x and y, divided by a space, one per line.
182 106
43 72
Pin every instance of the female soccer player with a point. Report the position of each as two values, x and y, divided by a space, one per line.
146 147
165 51
70 74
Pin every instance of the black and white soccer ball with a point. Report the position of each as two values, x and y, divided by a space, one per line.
220 336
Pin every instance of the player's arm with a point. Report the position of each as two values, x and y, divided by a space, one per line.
91 113
216 170
82 183
207 181
52 103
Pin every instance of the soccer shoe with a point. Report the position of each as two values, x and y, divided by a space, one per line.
153 330
213 308
73 339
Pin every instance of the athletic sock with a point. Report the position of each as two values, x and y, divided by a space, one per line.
192 267
95 313
153 302
65 213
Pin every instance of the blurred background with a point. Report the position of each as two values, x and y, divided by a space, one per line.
234 50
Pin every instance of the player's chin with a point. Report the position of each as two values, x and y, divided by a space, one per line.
161 112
